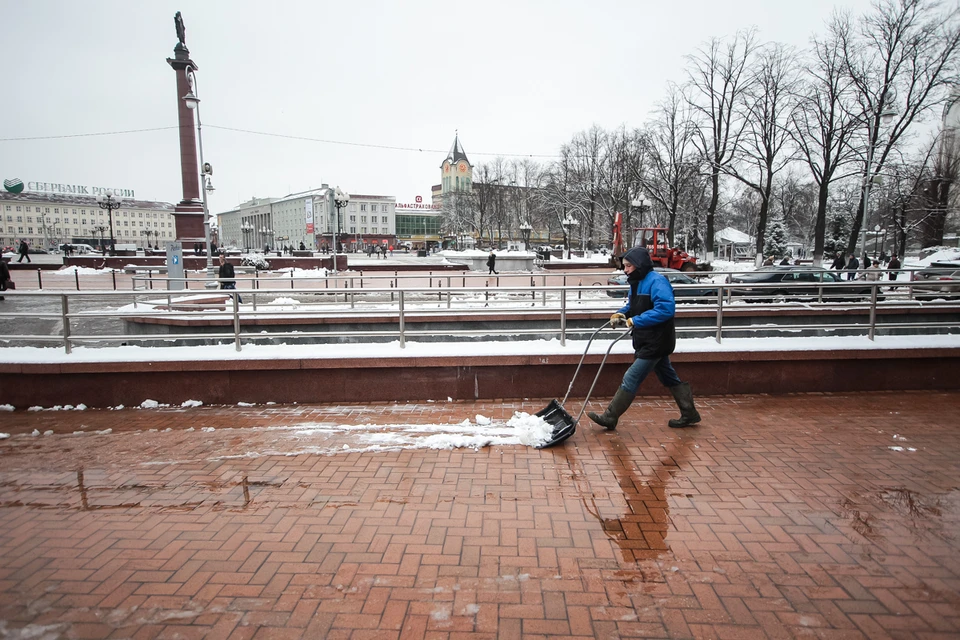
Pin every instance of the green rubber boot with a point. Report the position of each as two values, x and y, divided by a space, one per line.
620 403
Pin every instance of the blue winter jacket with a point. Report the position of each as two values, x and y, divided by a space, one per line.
652 306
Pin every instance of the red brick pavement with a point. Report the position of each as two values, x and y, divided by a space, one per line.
778 517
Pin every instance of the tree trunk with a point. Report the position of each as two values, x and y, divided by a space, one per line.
711 210
820 226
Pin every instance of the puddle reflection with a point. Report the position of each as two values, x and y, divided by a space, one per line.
640 532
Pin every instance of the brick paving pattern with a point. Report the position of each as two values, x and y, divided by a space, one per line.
803 516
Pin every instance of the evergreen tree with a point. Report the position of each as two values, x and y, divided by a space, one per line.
775 240
838 229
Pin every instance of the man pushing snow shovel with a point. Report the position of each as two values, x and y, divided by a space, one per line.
649 312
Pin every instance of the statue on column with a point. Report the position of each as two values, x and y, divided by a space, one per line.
181 30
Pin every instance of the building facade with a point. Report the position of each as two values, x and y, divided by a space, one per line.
49 220
310 218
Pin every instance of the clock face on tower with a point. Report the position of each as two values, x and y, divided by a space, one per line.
463 167
446 168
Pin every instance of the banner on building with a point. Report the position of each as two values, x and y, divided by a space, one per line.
309 211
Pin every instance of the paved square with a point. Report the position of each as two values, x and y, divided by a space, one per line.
821 516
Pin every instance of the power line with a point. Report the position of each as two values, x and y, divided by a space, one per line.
278 135
87 135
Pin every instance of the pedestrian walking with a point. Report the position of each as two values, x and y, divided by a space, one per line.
226 275
892 266
5 281
492 263
24 251
649 313
838 262
852 265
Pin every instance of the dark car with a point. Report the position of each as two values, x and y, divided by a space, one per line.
675 277
797 282
939 280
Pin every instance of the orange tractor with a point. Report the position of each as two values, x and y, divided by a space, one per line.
655 240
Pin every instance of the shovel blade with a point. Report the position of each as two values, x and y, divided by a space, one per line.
563 423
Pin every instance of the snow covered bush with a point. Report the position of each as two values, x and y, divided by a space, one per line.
255 261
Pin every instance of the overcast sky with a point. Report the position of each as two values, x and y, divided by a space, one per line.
514 77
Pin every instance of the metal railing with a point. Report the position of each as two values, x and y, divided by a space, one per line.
514 311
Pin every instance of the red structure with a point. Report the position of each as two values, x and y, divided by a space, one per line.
188 213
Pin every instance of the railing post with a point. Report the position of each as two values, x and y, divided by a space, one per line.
720 314
873 311
403 337
563 317
114 274
76 278
65 319
39 280
236 317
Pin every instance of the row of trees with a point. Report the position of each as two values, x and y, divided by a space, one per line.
757 132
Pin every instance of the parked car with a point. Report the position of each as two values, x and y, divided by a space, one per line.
939 280
795 282
674 277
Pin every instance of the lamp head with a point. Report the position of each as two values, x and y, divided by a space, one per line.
191 99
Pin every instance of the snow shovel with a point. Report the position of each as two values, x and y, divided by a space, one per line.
564 425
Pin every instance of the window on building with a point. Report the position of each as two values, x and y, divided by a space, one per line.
9 218
55 210
19 229
353 218
375 230
18 208
364 230
383 208
46 209
141 214
384 220
353 229
84 221
19 218
75 221
30 230
38 209
363 218
363 207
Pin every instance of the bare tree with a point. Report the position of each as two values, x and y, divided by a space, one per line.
770 101
824 123
672 160
718 77
902 59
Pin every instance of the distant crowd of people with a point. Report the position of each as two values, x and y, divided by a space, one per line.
870 268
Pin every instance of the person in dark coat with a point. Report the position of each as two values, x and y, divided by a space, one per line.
4 277
492 263
24 251
852 265
893 265
838 262
227 275
303 247
786 260
649 312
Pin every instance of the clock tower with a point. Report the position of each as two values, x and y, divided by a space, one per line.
456 172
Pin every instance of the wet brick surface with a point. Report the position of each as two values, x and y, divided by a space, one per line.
818 515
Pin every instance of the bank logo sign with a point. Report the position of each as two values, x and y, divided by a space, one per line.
13 185
16 185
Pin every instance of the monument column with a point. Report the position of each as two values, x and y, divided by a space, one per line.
188 213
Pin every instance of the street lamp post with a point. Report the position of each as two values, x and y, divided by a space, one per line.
886 117
102 230
525 229
265 233
639 203
568 223
246 228
876 238
340 201
206 169
111 203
